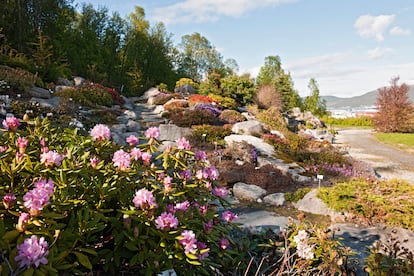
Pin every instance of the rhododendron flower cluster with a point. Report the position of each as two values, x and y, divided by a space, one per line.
22 222
152 132
189 242
100 132
183 144
32 251
302 245
224 243
11 123
51 158
166 221
132 140
121 159
144 199
35 199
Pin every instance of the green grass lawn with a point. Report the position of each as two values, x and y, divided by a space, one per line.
400 140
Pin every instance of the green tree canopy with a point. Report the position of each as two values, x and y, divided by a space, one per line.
314 103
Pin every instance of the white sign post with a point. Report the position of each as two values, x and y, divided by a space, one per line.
320 178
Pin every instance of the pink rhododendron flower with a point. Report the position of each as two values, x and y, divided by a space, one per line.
136 153
188 240
47 185
11 123
144 199
3 148
183 144
146 157
182 206
22 144
211 172
229 216
121 159
100 132
32 251
166 221
152 132
224 243
132 140
167 183
22 222
51 158
8 200
35 199
220 191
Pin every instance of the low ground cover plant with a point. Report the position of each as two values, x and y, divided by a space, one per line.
390 202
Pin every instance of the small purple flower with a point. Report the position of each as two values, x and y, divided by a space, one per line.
201 246
144 199
224 243
186 174
132 140
121 159
11 123
201 155
166 221
212 173
220 191
32 251
152 132
8 200
208 226
100 132
183 144
35 199
51 158
229 216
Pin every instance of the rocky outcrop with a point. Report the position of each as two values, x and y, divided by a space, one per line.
250 127
40 93
261 146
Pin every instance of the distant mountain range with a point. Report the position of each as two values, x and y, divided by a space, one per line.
367 99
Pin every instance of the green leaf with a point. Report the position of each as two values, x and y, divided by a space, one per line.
131 246
11 235
28 272
84 260
193 262
89 251
191 256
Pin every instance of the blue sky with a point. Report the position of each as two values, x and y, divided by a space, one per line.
350 47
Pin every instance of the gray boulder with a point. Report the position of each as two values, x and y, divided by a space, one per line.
259 144
63 81
59 88
247 192
48 103
185 89
41 93
133 126
172 132
247 127
78 80
277 199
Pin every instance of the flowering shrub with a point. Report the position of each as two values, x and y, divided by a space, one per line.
210 134
80 204
191 117
208 107
16 80
162 98
225 102
200 99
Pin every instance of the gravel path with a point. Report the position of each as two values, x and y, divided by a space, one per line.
388 162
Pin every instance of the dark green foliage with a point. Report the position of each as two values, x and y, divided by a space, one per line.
88 94
191 117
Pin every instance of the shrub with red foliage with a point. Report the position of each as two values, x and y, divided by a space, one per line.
395 110
200 99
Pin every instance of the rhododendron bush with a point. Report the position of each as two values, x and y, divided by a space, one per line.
76 202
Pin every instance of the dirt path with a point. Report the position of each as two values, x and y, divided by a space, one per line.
388 162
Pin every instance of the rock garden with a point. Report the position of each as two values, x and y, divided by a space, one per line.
173 182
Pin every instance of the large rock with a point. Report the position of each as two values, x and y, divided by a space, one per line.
277 199
150 93
133 126
247 127
172 132
63 81
78 80
130 115
292 169
185 89
59 88
247 192
259 144
41 93
52 103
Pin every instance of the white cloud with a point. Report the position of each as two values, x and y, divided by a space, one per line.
399 31
378 52
210 10
369 26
